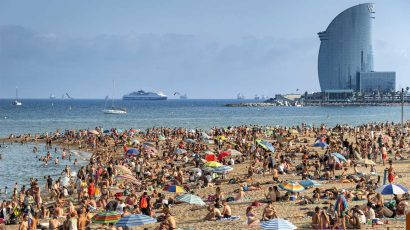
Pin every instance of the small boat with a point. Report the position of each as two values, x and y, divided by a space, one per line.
17 102
114 110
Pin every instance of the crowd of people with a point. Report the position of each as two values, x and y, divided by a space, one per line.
176 156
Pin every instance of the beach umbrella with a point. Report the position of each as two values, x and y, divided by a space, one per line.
223 155
266 145
135 141
135 220
180 151
367 162
149 144
132 152
210 157
309 183
320 144
190 199
122 169
293 131
209 151
161 138
222 169
340 156
390 189
234 152
115 189
128 178
106 217
277 224
291 186
212 164
222 138
204 135
93 132
190 141
174 188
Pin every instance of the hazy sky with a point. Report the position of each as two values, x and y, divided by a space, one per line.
207 49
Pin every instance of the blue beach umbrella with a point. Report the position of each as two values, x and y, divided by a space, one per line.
320 144
135 220
309 183
133 152
340 156
180 151
390 189
277 224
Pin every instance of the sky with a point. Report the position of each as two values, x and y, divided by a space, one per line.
206 49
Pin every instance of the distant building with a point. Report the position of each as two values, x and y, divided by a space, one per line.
346 53
376 81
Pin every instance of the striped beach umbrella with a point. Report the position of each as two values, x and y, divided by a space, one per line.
135 220
174 188
390 189
127 178
115 189
309 183
234 152
291 186
106 217
277 224
222 169
212 164
190 199
180 151
266 145
149 144
340 156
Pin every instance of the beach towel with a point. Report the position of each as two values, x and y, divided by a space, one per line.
232 218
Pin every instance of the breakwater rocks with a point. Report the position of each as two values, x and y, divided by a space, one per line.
251 104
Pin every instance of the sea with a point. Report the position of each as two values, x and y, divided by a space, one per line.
18 163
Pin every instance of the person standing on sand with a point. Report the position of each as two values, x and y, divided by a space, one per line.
391 172
341 208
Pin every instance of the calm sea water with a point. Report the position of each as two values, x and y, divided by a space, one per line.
37 116
46 115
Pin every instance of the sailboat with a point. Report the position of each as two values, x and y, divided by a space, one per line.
17 102
114 110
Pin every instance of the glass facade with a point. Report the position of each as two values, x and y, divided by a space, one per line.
377 81
346 48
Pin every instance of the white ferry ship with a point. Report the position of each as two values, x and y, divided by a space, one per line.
142 95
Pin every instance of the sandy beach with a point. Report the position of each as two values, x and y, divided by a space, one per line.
289 143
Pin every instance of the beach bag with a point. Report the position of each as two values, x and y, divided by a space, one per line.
230 199
143 202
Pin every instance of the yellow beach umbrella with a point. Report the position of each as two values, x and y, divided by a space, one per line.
212 164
